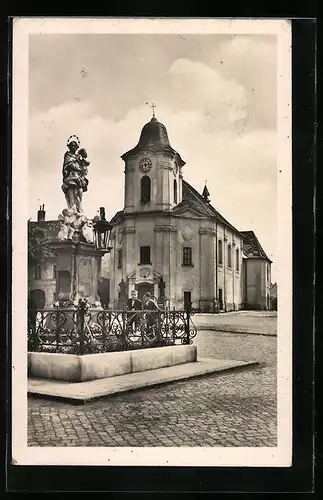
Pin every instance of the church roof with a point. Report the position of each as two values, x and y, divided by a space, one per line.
153 138
252 247
192 198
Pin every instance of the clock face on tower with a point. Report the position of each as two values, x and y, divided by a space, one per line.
145 165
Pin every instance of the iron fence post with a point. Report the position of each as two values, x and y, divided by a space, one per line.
32 328
80 321
124 328
188 325
174 325
158 326
57 329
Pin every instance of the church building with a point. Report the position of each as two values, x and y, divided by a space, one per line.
169 239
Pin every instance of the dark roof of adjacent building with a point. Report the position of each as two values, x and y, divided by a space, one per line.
154 138
252 247
49 227
192 198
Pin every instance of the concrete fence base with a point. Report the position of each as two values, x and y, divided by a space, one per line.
74 368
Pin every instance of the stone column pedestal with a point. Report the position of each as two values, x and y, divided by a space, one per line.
78 266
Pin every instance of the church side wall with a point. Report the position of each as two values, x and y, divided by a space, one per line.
229 277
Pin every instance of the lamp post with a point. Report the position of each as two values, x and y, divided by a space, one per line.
102 233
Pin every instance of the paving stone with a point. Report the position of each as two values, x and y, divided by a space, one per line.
233 409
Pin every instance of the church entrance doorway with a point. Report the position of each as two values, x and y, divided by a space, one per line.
187 300
143 288
221 299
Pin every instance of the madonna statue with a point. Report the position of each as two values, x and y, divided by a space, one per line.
75 170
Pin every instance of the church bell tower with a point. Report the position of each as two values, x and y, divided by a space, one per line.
153 180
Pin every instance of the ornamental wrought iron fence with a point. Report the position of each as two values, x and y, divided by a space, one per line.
84 330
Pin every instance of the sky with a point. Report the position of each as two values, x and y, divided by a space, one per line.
216 95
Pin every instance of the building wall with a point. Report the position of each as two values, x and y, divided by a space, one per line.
47 282
273 297
258 275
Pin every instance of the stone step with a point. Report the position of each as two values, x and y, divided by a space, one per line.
83 392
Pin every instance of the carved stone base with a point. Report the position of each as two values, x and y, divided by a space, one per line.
78 268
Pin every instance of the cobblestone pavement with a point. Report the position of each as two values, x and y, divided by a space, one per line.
256 322
236 408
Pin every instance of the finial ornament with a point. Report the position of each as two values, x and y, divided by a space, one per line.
206 193
153 106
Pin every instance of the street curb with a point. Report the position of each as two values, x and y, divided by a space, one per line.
226 329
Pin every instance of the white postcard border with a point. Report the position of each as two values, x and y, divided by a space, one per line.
163 456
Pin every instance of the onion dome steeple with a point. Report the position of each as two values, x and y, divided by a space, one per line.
154 139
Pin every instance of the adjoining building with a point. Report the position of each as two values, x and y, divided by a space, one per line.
257 271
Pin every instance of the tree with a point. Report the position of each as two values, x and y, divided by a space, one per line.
38 239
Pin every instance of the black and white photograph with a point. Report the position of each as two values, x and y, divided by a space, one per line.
152 242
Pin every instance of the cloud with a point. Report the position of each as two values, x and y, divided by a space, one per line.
123 72
220 117
252 60
222 103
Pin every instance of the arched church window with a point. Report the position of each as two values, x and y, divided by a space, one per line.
237 259
145 189
220 252
175 191
229 256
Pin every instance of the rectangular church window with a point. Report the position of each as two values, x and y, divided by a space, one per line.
187 256
145 255
220 252
229 256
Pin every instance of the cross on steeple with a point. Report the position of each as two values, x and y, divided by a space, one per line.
153 106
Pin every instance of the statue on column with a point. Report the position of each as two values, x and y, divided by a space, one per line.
74 225
75 169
